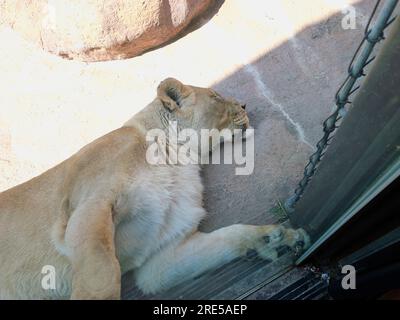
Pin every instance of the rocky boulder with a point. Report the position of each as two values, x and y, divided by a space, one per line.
97 30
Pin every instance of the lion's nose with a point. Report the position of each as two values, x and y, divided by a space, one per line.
244 106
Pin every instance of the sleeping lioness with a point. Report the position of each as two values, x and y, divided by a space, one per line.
106 211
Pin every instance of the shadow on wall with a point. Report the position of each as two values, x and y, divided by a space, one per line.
289 91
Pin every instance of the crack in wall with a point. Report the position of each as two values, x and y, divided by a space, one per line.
252 70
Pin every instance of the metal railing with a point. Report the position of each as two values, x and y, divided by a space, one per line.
360 60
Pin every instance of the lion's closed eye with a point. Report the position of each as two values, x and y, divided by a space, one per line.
215 95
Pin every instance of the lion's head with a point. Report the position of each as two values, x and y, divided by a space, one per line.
201 108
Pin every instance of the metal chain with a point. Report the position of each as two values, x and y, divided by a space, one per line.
355 71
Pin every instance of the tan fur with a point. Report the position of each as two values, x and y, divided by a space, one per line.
105 211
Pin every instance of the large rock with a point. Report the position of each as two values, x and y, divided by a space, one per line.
95 30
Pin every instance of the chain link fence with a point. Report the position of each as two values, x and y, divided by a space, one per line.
361 58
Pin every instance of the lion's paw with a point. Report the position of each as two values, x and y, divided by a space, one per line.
271 241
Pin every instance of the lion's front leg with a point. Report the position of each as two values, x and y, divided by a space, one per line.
89 238
204 251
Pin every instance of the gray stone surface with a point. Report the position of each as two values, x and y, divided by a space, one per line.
290 90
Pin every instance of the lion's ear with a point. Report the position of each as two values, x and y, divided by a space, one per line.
170 91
